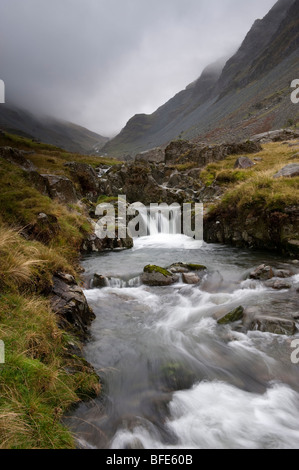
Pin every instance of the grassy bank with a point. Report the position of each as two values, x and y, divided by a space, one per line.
42 376
256 209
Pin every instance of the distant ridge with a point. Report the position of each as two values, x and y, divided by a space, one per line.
63 134
248 94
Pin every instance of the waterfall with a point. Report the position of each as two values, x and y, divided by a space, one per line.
162 221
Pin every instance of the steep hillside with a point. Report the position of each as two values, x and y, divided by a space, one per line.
66 135
250 94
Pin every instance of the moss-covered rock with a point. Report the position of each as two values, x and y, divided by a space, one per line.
231 317
157 276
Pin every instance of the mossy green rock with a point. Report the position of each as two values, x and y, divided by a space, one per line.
156 269
231 317
157 276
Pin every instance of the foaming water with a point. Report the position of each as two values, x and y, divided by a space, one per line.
172 377
165 240
219 416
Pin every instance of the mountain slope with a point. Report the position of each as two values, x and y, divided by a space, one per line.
63 134
247 95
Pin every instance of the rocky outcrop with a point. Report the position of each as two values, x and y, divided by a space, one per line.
156 155
279 135
68 302
254 228
94 244
289 171
86 177
60 188
183 151
17 157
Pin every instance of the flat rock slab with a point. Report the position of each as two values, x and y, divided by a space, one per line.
274 325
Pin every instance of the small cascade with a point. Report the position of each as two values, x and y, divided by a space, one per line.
163 221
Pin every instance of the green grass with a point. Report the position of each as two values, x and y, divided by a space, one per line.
41 378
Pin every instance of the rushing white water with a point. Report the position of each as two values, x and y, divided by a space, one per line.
173 377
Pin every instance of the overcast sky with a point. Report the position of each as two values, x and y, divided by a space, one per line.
99 62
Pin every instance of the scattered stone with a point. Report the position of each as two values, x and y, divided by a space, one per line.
231 317
157 276
263 272
258 159
289 171
244 163
68 302
61 188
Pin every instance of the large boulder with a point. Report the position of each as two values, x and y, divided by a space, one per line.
61 188
86 177
17 157
68 302
289 171
157 276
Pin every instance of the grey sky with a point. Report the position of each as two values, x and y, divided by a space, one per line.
99 62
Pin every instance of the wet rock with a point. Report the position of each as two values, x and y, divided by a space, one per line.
231 317
99 281
179 268
61 188
275 325
16 157
282 273
190 278
263 272
278 284
157 276
289 171
244 163
68 302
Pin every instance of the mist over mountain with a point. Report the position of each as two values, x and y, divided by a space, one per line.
63 134
248 94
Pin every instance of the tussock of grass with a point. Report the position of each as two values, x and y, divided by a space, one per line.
35 385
